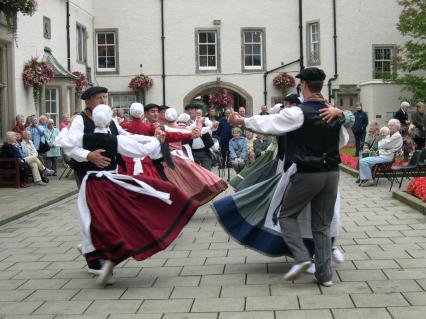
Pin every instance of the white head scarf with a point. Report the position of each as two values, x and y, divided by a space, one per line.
276 108
183 118
137 110
171 115
102 115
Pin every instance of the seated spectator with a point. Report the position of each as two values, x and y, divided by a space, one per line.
37 132
31 158
250 146
43 120
10 150
20 124
371 143
390 143
54 152
238 150
261 144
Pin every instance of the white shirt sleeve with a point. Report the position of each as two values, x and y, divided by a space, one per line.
128 146
289 119
78 152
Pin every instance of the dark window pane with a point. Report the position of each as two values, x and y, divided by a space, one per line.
203 60
101 38
203 49
202 37
256 36
212 50
110 38
102 63
102 50
387 55
248 61
211 37
256 60
248 49
211 61
111 51
248 36
256 49
53 94
111 63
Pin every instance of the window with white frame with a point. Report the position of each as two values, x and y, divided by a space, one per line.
253 49
383 56
207 50
51 97
314 43
122 101
81 44
106 51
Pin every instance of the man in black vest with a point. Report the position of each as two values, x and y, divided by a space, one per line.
313 145
83 123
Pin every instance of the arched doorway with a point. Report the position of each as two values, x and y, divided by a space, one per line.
201 93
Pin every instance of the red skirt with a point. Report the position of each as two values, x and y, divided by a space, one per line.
127 224
147 165
194 180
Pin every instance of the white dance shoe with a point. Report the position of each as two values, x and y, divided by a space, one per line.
296 270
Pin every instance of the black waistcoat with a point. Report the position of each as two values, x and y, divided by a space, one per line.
108 142
89 127
315 146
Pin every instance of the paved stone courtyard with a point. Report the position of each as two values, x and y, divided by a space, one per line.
204 274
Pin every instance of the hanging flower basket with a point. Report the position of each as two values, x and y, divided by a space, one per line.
81 82
140 84
220 99
36 74
10 9
284 82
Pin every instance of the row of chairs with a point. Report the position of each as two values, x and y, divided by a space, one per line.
416 167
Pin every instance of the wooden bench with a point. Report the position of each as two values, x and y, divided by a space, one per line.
10 172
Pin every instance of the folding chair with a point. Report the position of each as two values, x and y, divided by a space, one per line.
408 170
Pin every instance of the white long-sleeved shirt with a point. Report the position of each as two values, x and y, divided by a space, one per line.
76 128
127 145
390 144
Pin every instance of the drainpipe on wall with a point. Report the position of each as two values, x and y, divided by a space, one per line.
265 75
163 75
334 78
68 38
301 60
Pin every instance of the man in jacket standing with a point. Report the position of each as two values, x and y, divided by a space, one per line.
361 123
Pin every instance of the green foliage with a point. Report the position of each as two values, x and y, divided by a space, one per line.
412 55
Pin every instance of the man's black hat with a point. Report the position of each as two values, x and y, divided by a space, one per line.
292 98
151 106
163 107
193 106
311 74
92 91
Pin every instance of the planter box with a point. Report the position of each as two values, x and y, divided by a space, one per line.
348 170
410 200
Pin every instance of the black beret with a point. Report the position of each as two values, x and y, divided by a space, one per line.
151 106
311 74
163 107
292 98
193 106
92 91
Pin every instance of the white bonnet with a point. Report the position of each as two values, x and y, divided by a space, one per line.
136 110
183 118
102 115
171 115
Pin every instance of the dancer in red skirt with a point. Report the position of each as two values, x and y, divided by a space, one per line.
122 216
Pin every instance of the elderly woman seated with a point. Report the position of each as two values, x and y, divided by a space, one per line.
238 153
10 150
390 143
371 143
31 158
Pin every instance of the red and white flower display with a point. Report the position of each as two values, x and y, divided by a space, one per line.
141 82
81 82
36 74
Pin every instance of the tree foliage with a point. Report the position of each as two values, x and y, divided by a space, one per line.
411 58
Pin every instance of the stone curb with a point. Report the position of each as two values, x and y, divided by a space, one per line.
36 208
410 200
348 170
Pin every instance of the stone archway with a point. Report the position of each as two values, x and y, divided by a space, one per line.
225 85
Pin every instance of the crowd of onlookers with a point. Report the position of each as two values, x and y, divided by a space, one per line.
32 142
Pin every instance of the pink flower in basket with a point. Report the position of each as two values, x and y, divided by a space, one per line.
220 98
141 82
284 82
81 82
